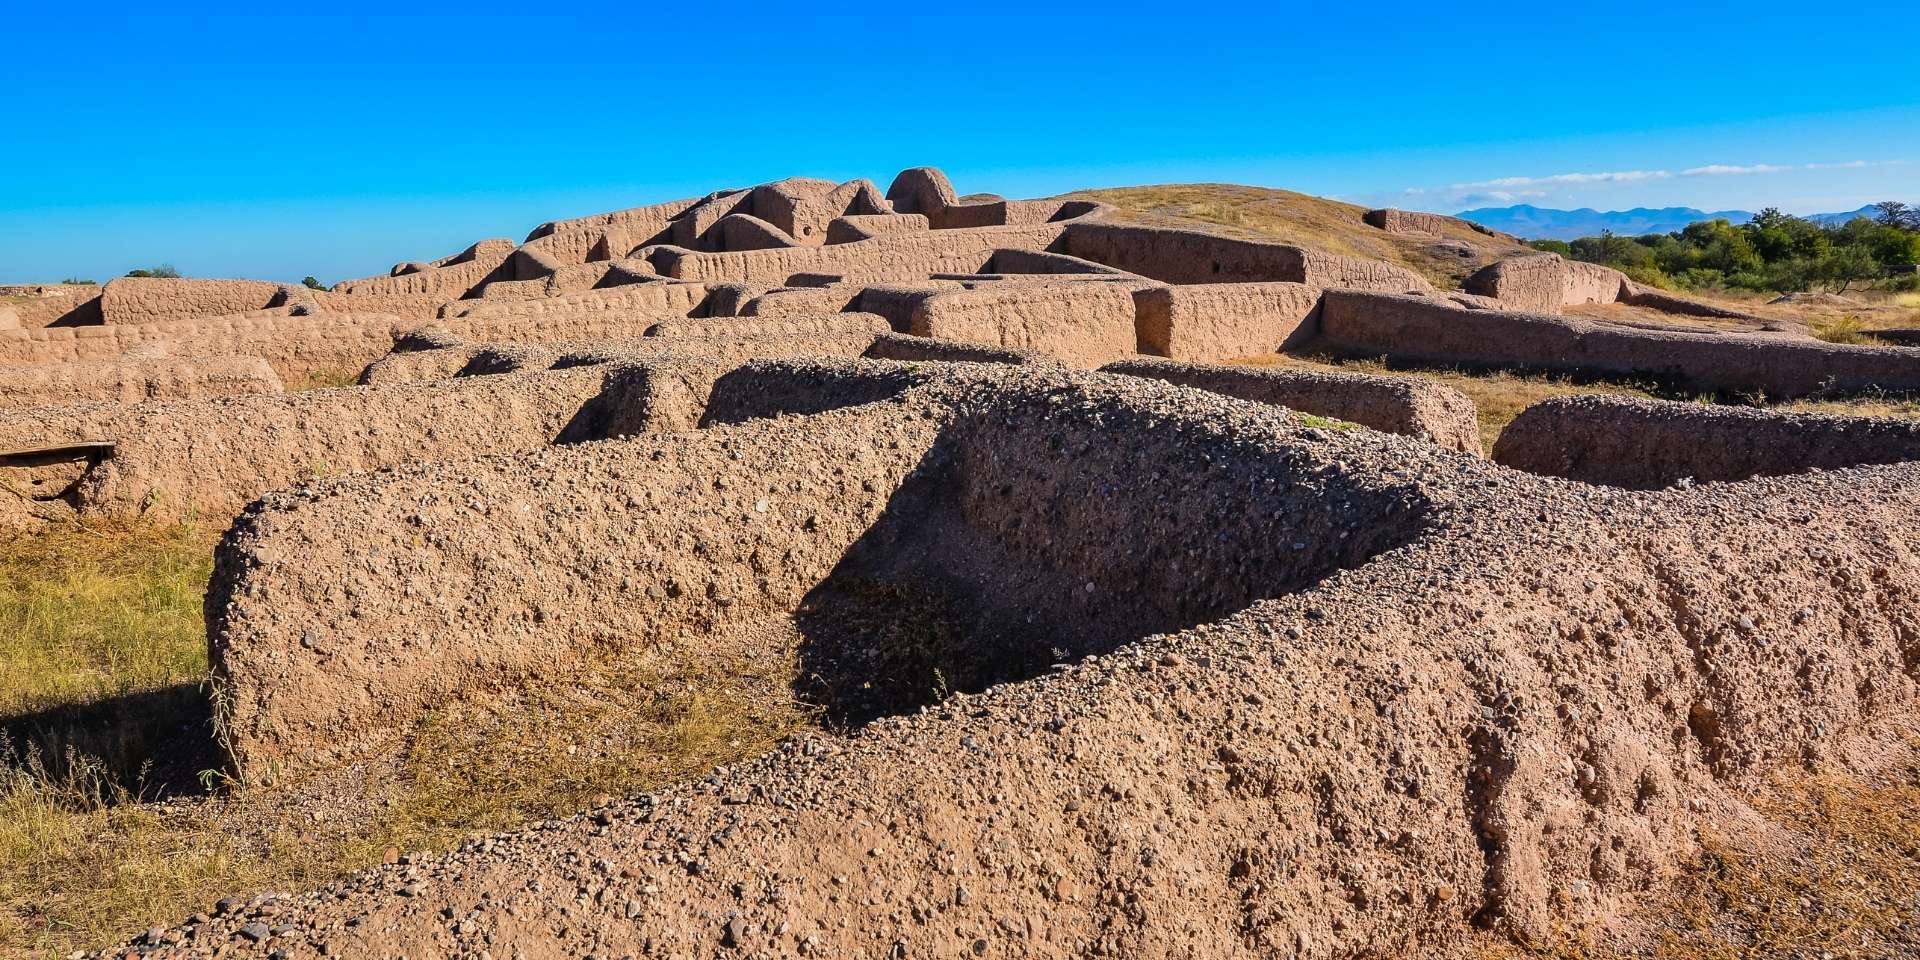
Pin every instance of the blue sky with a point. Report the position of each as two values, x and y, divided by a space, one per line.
255 140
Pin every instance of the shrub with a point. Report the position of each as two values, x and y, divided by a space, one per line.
164 271
312 284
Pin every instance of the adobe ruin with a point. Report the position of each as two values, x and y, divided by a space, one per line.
1245 661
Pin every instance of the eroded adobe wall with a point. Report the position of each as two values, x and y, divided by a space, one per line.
53 304
894 346
506 578
682 299
412 306
449 279
1190 256
295 346
1649 444
849 229
1403 405
1411 221
902 256
1418 329
1547 282
775 326
210 457
1083 324
882 491
1455 735
1221 321
132 381
132 300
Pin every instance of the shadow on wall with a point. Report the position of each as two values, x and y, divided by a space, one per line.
1006 552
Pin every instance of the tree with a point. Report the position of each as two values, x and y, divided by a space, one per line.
1893 213
1847 265
164 271
312 284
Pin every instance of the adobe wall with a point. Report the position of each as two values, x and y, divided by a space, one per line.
1422 330
903 256
295 346
1221 321
606 235
131 381
1644 296
413 306
1410 221
781 509
784 325
208 458
897 346
450 278
48 304
1546 282
1404 405
541 586
849 229
1649 444
803 300
683 299
132 300
1189 256
1083 324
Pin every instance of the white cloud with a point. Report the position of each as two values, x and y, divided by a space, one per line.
1507 190
1724 169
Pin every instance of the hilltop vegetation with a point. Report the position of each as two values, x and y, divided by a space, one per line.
1775 252
1263 213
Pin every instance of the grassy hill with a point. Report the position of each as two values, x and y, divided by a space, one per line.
1262 213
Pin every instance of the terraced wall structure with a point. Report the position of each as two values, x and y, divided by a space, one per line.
1418 329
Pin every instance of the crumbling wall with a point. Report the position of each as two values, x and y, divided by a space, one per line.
1189 256
131 381
148 300
905 490
542 586
1404 405
901 256
895 346
449 278
849 229
1411 221
778 326
1547 282
295 346
1649 444
1221 321
1083 324
210 457
1423 330
791 301
682 299
52 304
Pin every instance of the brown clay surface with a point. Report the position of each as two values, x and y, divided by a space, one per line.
1108 665
1649 444
1400 690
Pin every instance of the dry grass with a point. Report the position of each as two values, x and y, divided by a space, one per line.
106 826
1282 215
1848 884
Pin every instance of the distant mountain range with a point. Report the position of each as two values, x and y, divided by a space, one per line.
1539 223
